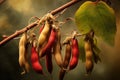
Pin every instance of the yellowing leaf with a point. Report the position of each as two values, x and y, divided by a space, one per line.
99 17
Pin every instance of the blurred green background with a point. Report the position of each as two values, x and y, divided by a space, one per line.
15 14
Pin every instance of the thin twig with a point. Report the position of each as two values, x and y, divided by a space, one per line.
17 33
72 2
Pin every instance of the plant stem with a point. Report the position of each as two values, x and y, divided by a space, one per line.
64 6
17 33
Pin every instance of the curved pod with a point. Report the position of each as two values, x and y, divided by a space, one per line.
75 54
57 50
23 61
43 36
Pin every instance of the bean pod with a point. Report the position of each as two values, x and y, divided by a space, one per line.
66 59
89 53
50 43
67 54
41 28
23 62
57 50
43 36
75 54
35 59
62 74
49 63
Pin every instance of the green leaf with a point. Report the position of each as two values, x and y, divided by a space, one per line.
99 17
81 49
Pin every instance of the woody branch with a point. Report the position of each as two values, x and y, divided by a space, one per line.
34 24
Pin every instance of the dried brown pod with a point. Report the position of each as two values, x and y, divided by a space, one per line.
57 50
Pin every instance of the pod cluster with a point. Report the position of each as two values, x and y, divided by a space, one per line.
48 46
